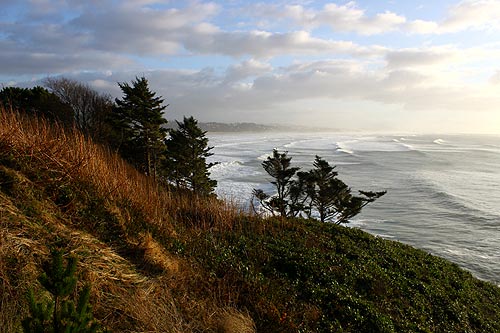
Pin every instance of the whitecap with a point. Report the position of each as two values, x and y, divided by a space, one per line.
372 144
439 141
385 236
347 151
410 147
357 223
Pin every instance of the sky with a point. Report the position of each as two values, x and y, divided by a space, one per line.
392 66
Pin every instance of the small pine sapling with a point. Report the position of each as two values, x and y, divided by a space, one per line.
59 314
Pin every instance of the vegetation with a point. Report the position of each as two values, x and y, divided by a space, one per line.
36 101
90 109
60 314
317 192
159 261
137 120
185 163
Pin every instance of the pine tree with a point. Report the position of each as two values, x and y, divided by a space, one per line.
278 167
60 313
314 193
137 121
331 198
185 163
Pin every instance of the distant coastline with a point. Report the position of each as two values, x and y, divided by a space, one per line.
219 127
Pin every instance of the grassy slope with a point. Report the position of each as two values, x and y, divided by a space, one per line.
165 263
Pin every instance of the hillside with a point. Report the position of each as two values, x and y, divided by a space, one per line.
163 262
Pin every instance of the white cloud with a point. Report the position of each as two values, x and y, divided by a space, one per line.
343 18
422 27
495 78
350 18
467 14
263 44
475 14
246 69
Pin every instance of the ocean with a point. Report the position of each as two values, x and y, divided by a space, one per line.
443 191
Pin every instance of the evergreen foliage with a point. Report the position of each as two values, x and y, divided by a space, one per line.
185 162
331 198
315 193
36 101
137 123
60 314
278 167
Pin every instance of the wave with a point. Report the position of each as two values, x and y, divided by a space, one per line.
372 144
233 170
439 141
295 143
344 150
398 141
448 203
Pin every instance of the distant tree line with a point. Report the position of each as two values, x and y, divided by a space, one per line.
317 193
133 126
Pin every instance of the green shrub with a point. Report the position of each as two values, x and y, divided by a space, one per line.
59 313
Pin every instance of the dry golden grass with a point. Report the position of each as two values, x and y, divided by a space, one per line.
123 298
126 296
234 321
156 256
18 269
9 302
70 156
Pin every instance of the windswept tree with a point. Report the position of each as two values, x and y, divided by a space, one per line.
90 108
331 198
185 163
137 121
314 193
278 166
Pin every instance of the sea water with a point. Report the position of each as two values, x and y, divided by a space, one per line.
443 192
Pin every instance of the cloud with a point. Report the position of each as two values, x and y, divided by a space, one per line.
59 39
17 61
472 14
263 44
146 31
257 74
421 27
246 69
207 95
343 18
417 57
468 14
328 90
495 78
133 28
